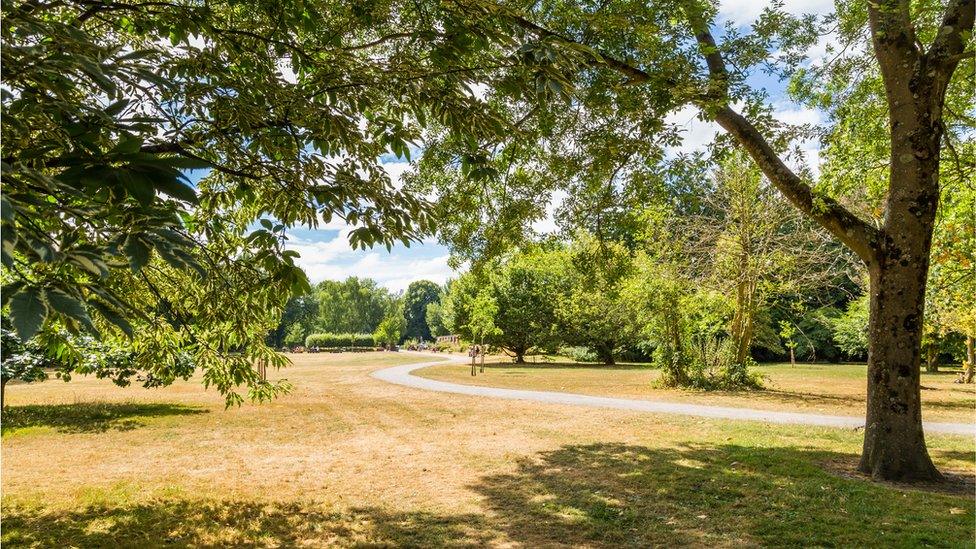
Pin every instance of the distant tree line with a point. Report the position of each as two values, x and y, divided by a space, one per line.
358 306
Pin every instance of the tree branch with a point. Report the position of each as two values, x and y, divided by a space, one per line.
857 234
895 43
949 43
948 48
854 232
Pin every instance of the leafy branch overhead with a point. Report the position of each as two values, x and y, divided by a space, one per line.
143 143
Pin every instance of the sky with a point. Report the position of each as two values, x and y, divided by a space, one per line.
325 251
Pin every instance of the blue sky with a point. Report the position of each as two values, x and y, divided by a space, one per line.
326 254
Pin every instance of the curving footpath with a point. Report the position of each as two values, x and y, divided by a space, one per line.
402 375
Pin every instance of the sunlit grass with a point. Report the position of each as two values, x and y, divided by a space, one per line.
347 460
816 388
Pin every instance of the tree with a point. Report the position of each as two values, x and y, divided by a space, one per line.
787 331
484 310
523 293
297 321
21 361
286 107
391 328
459 303
594 312
440 315
757 249
354 305
419 294
624 79
65 354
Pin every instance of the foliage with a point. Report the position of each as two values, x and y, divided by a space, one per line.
297 321
22 361
419 294
329 341
521 296
437 317
353 305
594 313
459 303
850 329
391 329
286 107
440 315
65 354
579 354
484 310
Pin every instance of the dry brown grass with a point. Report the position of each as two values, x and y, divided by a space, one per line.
816 388
347 460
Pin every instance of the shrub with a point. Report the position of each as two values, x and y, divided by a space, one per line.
579 354
334 341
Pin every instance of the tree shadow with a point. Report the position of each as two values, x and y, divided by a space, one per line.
968 456
222 523
89 417
571 366
618 495
966 404
596 495
793 397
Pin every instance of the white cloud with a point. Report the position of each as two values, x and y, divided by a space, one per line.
395 170
548 224
695 134
792 114
744 12
335 259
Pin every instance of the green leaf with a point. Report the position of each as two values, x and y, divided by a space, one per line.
6 210
128 144
177 189
27 312
70 307
138 186
114 317
137 251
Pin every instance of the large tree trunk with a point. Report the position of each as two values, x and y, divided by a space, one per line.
897 255
894 446
3 390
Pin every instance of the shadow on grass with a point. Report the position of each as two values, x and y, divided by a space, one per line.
599 495
805 398
235 523
968 456
617 495
570 366
89 417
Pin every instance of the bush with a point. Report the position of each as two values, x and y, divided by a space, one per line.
579 354
335 341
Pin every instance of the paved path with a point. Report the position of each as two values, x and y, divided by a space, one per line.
402 375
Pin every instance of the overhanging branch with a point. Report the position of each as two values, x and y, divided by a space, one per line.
854 232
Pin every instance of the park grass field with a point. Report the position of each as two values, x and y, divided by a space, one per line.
348 460
837 389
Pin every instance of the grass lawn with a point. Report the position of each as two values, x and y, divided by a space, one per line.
816 388
350 460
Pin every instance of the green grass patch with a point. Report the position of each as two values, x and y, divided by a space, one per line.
89 417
